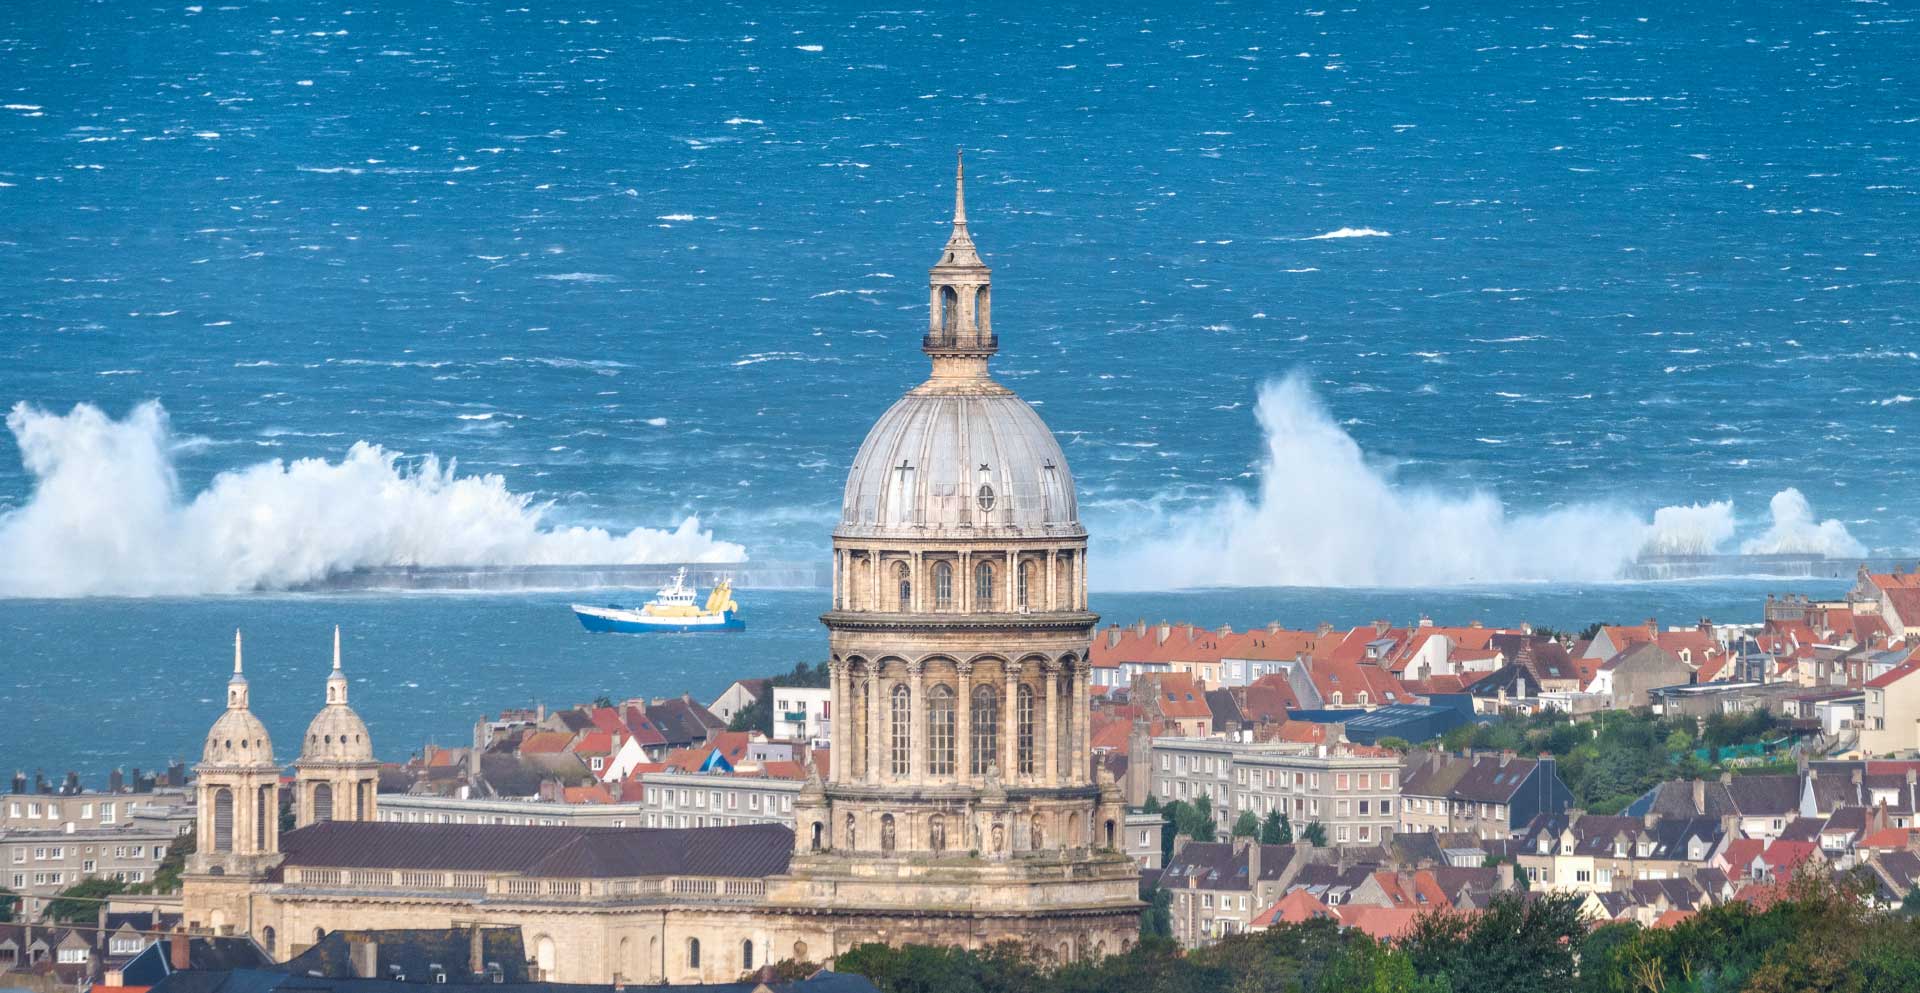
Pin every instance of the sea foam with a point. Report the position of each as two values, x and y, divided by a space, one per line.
1323 514
106 516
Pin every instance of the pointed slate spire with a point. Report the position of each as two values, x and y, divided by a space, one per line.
237 686
337 681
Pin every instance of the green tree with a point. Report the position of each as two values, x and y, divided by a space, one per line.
1156 918
1395 743
9 901
81 901
1592 631
1275 830
1514 946
1247 825
166 877
1910 906
1314 833
603 701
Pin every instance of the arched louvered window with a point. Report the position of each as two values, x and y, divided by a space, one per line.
986 730
1025 586
905 577
322 802
983 586
263 809
940 730
223 820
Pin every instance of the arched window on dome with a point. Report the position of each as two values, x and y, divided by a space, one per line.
223 820
902 730
322 802
986 730
1025 714
905 578
940 730
1024 587
983 586
943 586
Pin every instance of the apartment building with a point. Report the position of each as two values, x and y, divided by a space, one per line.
39 864
680 800
802 713
1353 791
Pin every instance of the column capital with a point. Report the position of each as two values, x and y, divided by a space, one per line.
915 667
964 667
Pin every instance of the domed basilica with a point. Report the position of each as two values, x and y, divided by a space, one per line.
959 807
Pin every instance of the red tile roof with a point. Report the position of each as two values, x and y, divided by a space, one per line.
1297 907
1896 674
1380 923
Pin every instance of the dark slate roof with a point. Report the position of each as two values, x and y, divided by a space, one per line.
1674 798
1801 829
574 720
1216 865
1513 679
1476 779
413 953
1763 796
747 850
206 954
1225 710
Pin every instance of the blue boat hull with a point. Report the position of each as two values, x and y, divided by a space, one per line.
729 621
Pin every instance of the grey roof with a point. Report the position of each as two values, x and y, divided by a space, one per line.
1762 796
1223 865
747 850
414 953
1225 710
952 443
1476 779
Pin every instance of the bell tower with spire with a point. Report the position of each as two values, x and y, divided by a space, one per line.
960 336
238 792
336 778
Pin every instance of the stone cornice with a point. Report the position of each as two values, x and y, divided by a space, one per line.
1076 622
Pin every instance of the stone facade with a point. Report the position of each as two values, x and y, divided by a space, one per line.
961 808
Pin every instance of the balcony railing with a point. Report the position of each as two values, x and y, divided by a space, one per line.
953 341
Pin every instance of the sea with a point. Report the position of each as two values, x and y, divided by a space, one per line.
1338 312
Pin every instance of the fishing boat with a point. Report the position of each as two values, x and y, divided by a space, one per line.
671 610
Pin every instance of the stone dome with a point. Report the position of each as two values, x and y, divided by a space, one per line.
238 738
337 734
959 462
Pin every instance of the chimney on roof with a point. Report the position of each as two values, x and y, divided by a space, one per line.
1140 627
1700 797
179 956
1503 871
1273 627
364 956
1161 633
1380 627
1653 626
1325 628
1858 798
1475 624
1425 621
476 957
20 782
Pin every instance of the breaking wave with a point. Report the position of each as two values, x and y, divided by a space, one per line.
1322 514
106 517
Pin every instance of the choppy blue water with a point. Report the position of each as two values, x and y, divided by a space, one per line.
668 261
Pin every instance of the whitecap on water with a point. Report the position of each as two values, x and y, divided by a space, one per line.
1349 233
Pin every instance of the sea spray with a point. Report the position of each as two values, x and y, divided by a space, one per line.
107 516
1323 514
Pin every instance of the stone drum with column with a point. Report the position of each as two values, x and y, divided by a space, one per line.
960 806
